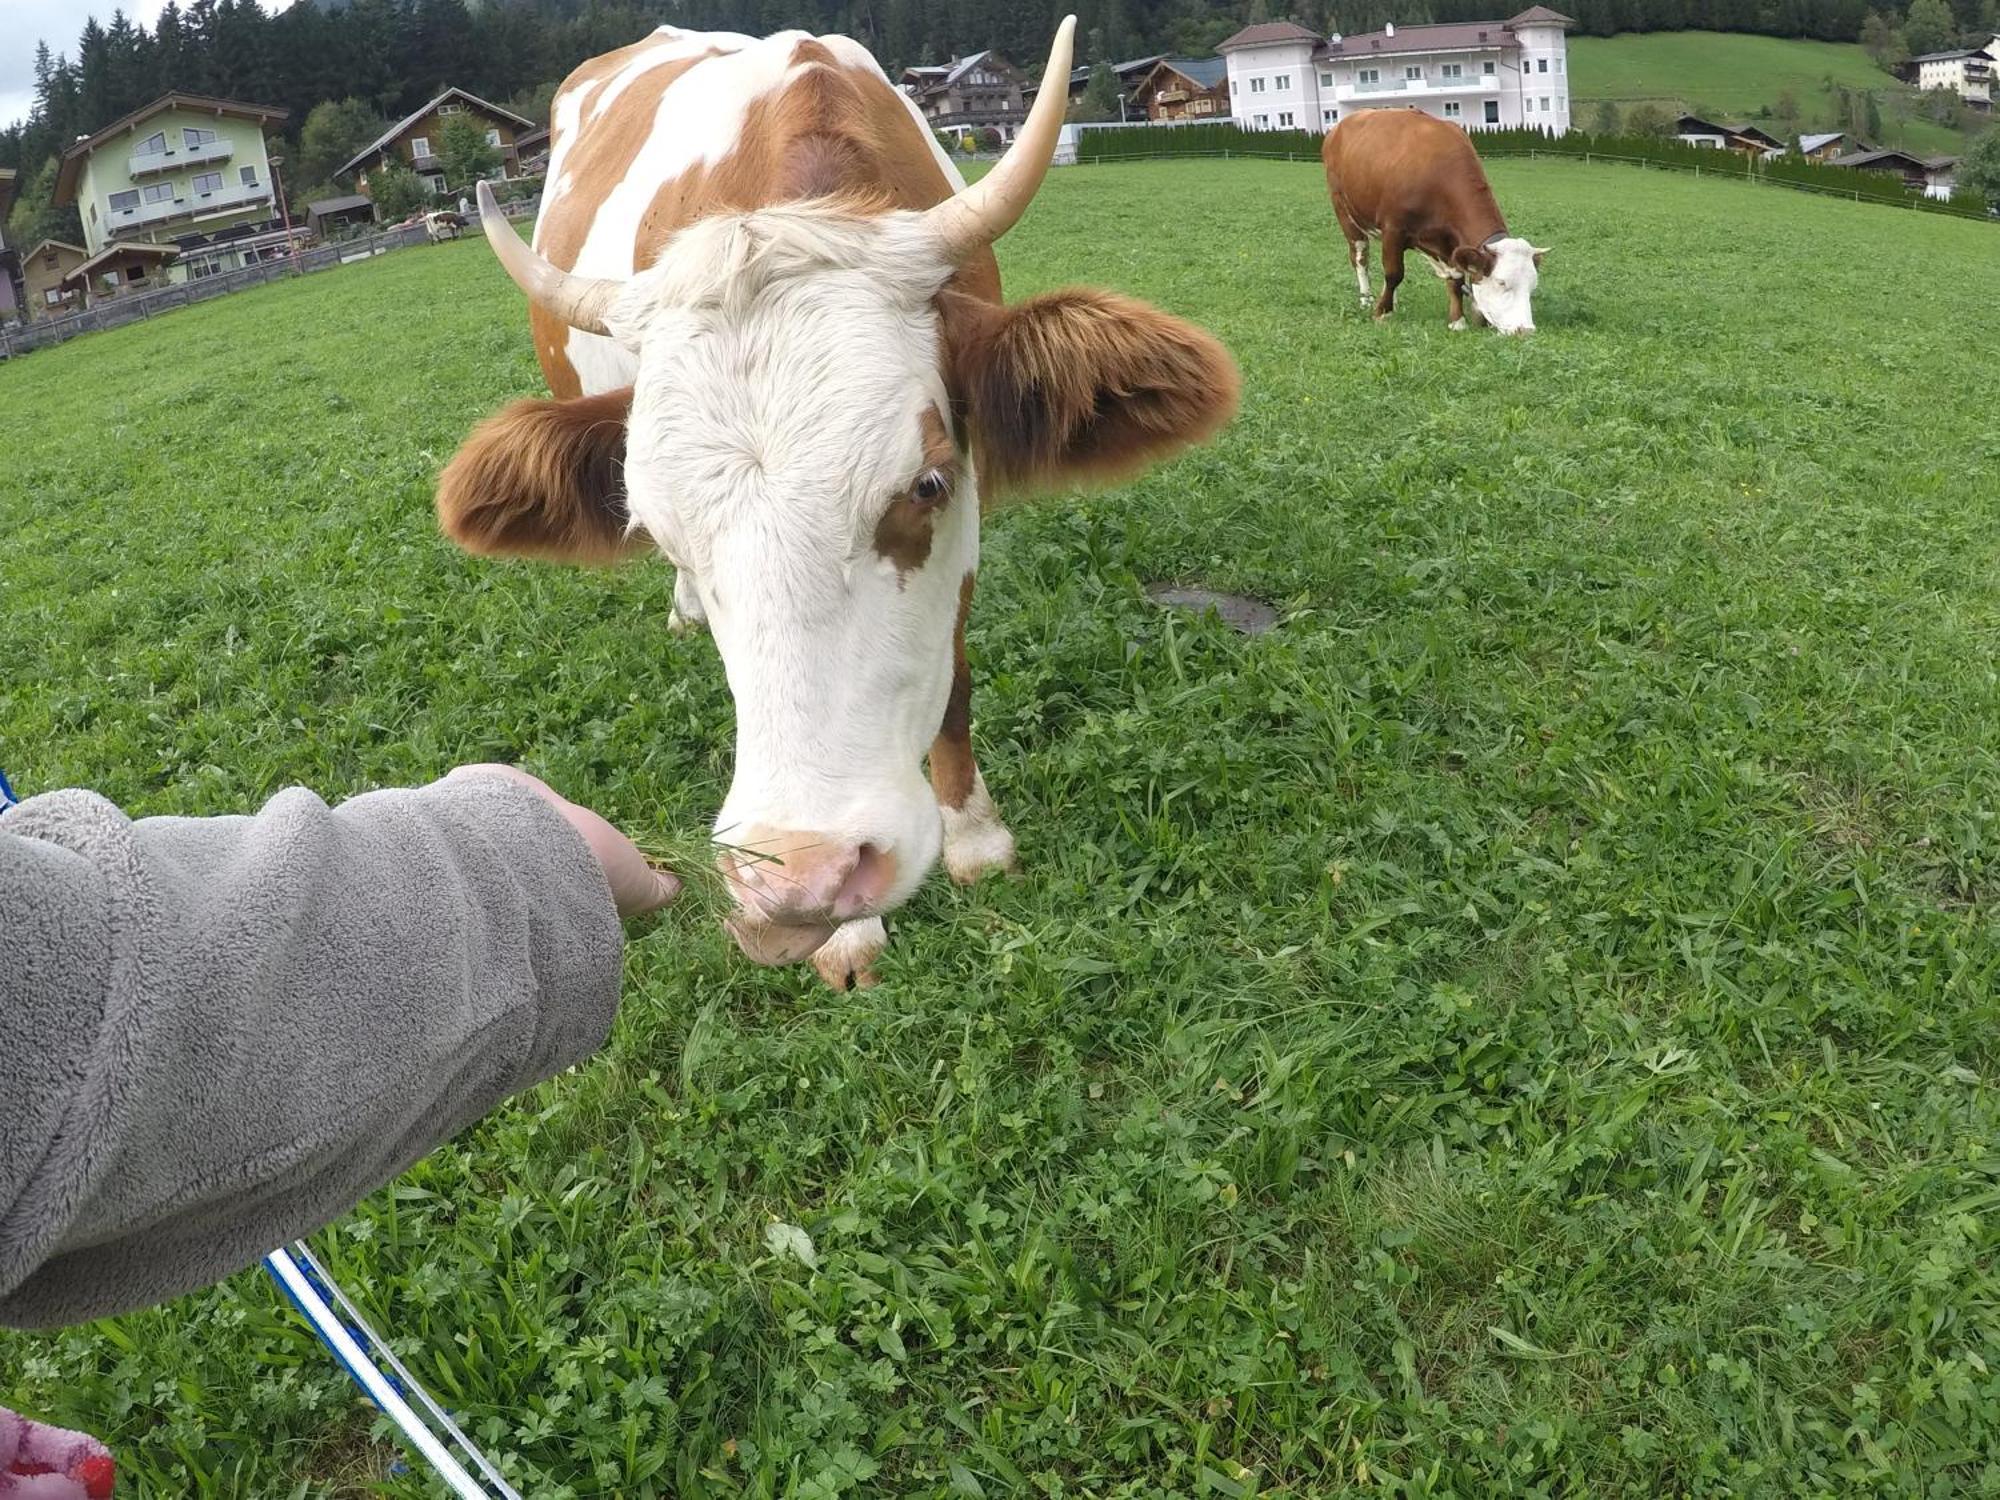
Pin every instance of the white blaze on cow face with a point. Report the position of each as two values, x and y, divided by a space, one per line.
789 393
1504 296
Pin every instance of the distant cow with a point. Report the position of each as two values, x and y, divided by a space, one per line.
1415 180
769 312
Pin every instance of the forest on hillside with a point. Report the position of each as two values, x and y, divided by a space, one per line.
384 58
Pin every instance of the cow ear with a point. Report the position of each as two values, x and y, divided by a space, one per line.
1476 261
1540 251
543 479
1081 388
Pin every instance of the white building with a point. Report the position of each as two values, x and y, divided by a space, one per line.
1484 75
1967 72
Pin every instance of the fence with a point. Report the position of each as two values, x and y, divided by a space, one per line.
1228 141
133 308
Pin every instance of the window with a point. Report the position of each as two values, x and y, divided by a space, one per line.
1453 71
1545 104
1414 72
1451 110
1263 122
125 202
1232 85
158 192
436 180
1541 65
1328 116
1256 85
197 138
247 175
451 109
1325 79
1487 70
153 144
1284 120
420 145
52 297
1282 82
1368 75
207 182
492 137
1492 111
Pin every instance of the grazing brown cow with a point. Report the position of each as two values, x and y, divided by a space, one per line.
1415 180
768 309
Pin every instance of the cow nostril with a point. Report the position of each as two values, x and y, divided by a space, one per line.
867 884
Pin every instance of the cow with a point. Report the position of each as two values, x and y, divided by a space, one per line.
1415 180
770 319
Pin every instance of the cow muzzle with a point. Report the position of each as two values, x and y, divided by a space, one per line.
793 888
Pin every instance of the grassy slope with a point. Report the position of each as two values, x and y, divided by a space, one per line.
1529 1021
1736 75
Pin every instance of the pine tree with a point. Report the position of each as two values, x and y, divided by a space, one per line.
1929 27
331 136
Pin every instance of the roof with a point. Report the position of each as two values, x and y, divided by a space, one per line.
1268 34
526 143
320 207
1951 56
73 157
1206 71
1456 36
117 248
1820 141
1869 160
386 137
28 255
1540 15
1695 124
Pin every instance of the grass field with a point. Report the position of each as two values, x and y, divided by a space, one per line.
1735 76
1527 1025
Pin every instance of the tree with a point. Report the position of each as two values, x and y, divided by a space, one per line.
1604 118
332 135
398 192
1648 119
1929 27
1979 168
1883 43
1871 119
36 218
1787 111
1100 96
465 153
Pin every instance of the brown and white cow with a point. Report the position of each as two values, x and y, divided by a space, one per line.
1415 180
768 311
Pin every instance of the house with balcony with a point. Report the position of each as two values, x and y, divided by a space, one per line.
44 272
1130 74
1965 71
1483 75
417 140
1184 88
1933 176
980 92
1745 139
186 173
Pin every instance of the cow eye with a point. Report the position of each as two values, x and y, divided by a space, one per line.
933 487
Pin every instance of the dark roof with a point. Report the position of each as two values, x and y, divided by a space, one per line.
526 143
1206 71
1267 34
73 156
1949 56
1454 36
1696 124
52 244
1893 160
1540 15
382 141
320 206
138 248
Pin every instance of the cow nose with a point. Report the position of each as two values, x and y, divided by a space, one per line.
798 878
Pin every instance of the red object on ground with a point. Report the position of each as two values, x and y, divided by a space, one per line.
40 1462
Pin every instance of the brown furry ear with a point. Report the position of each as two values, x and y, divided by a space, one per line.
542 479
1082 387
1476 261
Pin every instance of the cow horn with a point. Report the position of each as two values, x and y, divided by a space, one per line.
580 301
978 215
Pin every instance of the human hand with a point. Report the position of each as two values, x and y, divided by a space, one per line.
636 886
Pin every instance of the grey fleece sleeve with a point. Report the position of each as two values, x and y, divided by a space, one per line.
217 1034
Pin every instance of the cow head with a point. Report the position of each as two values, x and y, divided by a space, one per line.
1503 274
815 424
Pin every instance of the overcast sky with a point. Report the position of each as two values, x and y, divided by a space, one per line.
57 22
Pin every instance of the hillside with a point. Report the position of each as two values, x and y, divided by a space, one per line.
1739 76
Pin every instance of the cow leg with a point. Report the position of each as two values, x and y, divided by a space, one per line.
1357 249
1392 271
688 613
1455 289
975 840
847 959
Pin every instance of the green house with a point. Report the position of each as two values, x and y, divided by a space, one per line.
178 190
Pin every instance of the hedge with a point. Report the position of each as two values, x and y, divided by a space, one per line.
1222 139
